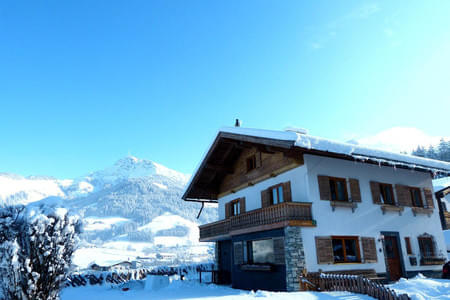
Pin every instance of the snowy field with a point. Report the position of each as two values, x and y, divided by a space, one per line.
418 288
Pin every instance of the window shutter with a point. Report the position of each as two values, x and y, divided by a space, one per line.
287 195
242 204
227 210
354 190
238 253
375 189
369 249
428 198
324 250
403 195
278 249
324 187
265 198
258 160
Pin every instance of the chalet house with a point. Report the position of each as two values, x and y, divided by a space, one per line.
291 203
442 192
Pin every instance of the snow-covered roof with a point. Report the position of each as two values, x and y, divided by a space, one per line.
441 183
322 146
356 151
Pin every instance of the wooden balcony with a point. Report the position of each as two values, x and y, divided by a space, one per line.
272 217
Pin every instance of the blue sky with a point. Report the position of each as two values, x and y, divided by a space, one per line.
84 83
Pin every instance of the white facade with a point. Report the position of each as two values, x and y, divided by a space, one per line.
366 221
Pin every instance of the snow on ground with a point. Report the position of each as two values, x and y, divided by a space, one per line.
418 288
102 223
194 290
422 288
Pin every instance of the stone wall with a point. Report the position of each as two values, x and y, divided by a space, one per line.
294 256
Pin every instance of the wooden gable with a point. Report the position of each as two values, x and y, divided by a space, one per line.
225 167
268 164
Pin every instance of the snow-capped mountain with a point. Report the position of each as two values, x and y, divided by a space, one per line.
120 206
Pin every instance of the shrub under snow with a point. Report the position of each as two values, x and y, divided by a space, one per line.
36 246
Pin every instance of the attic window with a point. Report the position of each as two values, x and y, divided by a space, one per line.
251 163
416 197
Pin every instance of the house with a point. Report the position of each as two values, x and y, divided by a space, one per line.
291 203
122 265
442 193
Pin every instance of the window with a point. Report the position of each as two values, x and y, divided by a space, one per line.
251 163
386 194
408 246
338 189
416 197
426 246
346 249
277 194
261 251
235 207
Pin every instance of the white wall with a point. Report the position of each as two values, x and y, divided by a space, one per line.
367 220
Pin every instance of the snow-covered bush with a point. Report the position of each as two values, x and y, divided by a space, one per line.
36 247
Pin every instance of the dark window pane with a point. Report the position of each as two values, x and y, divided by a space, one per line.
416 198
350 250
341 191
263 251
338 251
388 198
333 190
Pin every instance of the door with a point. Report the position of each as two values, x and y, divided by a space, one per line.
392 254
225 262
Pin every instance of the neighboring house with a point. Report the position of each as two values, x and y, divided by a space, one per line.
289 203
442 193
123 265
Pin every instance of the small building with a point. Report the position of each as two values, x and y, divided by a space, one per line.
123 265
442 193
290 203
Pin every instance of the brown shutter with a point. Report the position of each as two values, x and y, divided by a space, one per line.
403 195
428 198
287 195
258 160
324 187
278 249
242 204
227 210
375 189
324 250
369 249
265 198
238 253
354 190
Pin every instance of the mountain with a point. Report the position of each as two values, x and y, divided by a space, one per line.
132 208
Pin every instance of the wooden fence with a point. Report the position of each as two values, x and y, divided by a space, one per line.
77 279
353 283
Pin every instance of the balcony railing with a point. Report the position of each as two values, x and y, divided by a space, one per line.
275 216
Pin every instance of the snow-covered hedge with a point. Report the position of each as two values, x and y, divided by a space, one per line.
36 246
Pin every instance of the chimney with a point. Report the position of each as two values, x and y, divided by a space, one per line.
237 123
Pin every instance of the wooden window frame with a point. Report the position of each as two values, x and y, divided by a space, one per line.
431 241
358 249
408 245
334 180
383 193
235 203
411 192
251 163
276 187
